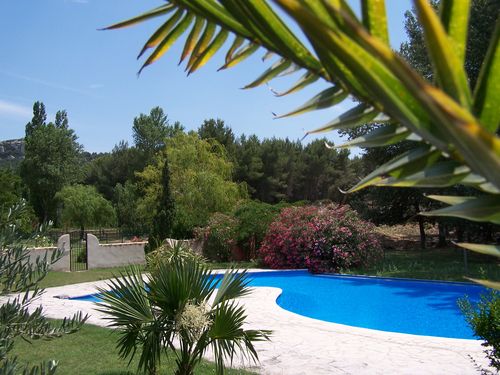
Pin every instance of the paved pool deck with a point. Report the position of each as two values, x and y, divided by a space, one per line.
301 345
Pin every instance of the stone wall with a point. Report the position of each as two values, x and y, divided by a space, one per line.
113 255
63 263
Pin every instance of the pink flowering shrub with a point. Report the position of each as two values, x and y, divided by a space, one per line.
331 238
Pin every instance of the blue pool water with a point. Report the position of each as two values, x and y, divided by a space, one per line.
397 305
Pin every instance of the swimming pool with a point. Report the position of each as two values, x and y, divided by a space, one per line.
397 305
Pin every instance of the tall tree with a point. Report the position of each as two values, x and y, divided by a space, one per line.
200 181
150 131
218 130
164 219
51 160
117 167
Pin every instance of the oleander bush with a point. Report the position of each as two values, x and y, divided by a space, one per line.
484 319
329 238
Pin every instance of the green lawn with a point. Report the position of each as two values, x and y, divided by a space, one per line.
435 264
55 278
91 351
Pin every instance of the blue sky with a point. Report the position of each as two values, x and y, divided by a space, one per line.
51 51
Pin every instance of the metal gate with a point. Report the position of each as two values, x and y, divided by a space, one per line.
78 250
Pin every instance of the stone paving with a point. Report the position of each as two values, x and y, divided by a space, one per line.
301 345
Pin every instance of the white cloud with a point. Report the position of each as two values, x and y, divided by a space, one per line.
78 1
13 109
94 86
50 84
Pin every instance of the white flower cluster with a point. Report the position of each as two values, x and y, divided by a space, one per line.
194 319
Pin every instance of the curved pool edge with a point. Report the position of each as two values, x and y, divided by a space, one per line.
345 328
301 345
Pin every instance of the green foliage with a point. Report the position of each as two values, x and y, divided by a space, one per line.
180 301
51 160
83 206
163 221
171 252
354 56
98 344
217 130
151 131
219 237
278 170
128 215
107 171
484 319
254 219
11 192
18 319
200 180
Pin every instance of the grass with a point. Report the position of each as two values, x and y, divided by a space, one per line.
55 278
435 264
91 351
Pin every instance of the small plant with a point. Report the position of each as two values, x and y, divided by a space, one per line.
322 239
182 303
170 252
484 319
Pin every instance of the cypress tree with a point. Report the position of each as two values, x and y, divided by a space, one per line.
163 221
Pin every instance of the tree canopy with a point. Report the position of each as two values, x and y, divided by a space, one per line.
52 160
83 206
200 181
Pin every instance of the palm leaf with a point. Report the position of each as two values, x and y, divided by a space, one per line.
455 19
493 250
383 136
482 209
359 115
449 69
402 165
156 12
307 79
374 18
169 39
324 99
487 93
161 32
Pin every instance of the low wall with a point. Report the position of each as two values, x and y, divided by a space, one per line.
113 255
63 263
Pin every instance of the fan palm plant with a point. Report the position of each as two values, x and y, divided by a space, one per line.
181 303
453 126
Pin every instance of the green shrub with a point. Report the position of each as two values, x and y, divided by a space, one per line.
484 319
254 219
170 252
219 237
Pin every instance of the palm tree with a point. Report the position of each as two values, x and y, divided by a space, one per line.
182 302
454 127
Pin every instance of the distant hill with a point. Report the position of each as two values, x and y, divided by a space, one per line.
11 152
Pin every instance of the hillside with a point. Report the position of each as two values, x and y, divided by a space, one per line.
11 152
